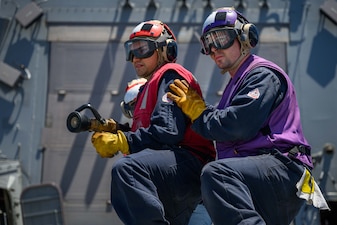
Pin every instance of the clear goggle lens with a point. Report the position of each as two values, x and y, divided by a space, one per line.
219 39
140 48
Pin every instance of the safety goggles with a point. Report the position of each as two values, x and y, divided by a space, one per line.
141 48
219 39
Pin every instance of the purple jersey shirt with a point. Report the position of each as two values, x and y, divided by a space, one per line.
284 125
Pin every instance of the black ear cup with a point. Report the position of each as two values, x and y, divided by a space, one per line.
170 51
250 35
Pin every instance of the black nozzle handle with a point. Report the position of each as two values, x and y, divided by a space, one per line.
93 110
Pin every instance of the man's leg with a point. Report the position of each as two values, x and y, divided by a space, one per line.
156 187
251 190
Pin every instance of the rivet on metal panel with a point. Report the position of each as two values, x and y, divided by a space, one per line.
241 4
183 4
62 92
264 4
153 4
209 4
128 4
114 92
329 148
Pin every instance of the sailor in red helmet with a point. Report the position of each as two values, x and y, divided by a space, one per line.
158 181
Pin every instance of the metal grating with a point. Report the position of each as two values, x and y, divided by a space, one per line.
41 204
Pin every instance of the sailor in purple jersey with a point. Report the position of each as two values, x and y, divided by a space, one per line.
261 149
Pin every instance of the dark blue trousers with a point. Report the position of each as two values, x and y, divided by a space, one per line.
155 187
252 190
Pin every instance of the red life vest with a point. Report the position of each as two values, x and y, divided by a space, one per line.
147 99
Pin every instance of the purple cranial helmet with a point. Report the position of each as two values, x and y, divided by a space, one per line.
221 28
222 17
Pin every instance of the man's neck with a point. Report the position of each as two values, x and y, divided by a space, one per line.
238 63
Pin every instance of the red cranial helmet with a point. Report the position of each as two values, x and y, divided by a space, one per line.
151 35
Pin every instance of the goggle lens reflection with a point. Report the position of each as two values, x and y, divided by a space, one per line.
219 39
139 48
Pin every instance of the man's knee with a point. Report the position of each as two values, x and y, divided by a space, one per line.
207 176
121 168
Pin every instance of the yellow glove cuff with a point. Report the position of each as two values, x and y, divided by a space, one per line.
197 107
107 144
123 142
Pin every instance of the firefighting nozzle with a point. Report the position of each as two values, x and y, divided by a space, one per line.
77 122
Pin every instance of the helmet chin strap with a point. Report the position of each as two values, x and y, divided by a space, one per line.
160 63
244 51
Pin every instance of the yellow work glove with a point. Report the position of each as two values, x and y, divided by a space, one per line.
190 102
108 144
110 125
